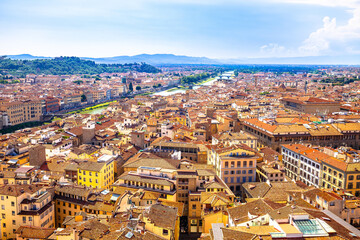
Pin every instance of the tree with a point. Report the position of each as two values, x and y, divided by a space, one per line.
131 88
83 98
138 88
78 82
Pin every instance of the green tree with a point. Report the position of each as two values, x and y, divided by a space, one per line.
78 82
138 88
83 98
131 88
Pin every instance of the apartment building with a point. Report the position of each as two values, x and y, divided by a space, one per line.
98 174
72 199
235 164
272 134
150 179
323 167
21 112
311 105
71 101
25 205
272 172
303 163
231 138
52 104
99 95
194 152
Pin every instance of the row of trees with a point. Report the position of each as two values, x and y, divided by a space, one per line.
279 69
68 65
195 78
339 80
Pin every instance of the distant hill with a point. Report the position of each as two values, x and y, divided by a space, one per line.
68 65
162 59
26 57
156 59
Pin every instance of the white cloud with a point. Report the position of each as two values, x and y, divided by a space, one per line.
332 34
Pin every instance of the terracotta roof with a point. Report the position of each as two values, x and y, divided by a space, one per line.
162 216
28 232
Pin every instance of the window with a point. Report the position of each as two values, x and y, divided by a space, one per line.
250 171
24 219
350 186
165 232
3 207
351 177
226 164
358 177
250 163
13 213
2 197
13 222
3 216
245 164
239 164
226 172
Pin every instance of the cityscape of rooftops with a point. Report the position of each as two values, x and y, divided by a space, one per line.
180 120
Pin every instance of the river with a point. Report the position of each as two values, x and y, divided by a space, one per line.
162 93
168 93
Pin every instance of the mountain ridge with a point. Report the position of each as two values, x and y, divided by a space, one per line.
163 59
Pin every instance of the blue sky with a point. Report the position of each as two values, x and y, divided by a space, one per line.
211 28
